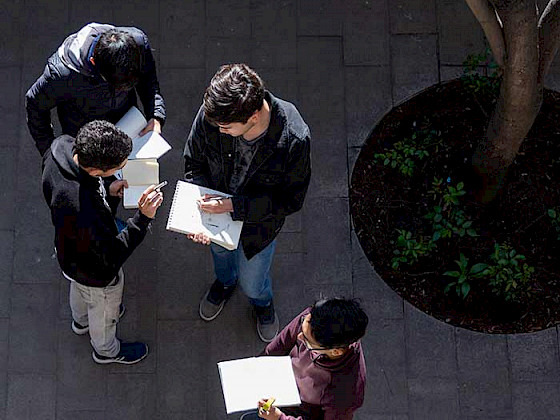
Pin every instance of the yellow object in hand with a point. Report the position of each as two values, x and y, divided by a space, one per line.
266 406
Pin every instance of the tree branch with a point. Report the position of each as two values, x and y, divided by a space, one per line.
486 15
549 38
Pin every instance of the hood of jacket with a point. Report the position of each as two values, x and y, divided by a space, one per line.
75 50
63 154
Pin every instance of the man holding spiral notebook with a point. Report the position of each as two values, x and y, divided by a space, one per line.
255 147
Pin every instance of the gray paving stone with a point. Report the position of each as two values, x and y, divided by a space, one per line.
320 17
33 325
459 32
535 400
328 260
53 21
131 396
412 17
365 34
383 346
315 292
80 414
274 53
450 72
534 357
274 20
185 272
221 51
433 398
289 242
76 372
82 12
31 397
236 23
143 15
293 222
484 374
319 104
368 99
353 154
8 170
378 300
7 258
183 33
10 41
287 283
430 346
362 414
282 83
10 106
181 382
4 336
34 257
409 79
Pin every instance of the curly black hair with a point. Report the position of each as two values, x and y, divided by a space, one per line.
337 322
101 145
235 92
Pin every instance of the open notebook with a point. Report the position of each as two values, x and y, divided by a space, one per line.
140 174
246 381
150 145
186 216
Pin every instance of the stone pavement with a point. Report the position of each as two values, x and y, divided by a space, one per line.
344 64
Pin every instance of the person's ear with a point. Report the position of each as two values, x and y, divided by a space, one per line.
337 352
92 61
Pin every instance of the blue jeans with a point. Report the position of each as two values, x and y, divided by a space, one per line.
232 267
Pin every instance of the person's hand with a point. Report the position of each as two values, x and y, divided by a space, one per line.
153 125
211 203
199 238
273 413
150 201
116 189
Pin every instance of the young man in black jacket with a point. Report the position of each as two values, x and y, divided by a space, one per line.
95 75
254 146
89 247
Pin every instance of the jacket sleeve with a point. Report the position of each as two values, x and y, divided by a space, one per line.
148 86
284 342
45 94
279 202
111 251
196 166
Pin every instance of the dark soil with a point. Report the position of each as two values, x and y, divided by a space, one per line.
383 200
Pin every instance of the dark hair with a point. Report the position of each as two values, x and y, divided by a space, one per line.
101 145
235 93
337 322
118 59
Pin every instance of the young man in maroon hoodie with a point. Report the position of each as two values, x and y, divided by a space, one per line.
324 345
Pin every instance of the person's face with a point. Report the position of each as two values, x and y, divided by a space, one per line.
235 129
306 336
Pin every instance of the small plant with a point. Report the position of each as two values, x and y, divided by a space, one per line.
447 217
402 157
554 214
509 275
463 276
409 249
477 83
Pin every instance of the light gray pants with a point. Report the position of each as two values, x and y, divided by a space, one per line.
98 307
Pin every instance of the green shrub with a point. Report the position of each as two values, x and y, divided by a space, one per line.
477 83
409 249
462 277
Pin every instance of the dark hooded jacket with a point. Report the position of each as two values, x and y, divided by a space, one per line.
277 178
89 247
330 389
72 85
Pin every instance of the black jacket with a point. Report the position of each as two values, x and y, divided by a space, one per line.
277 180
89 247
72 85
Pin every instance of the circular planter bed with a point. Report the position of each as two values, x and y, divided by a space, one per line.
383 200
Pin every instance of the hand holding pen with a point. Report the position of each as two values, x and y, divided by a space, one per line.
267 410
211 203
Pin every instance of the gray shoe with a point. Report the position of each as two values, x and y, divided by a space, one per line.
214 300
267 322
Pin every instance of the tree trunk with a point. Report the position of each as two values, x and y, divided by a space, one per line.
520 97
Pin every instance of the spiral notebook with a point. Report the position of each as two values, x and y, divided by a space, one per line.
186 217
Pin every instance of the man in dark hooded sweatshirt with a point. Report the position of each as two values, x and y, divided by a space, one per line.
89 247
95 75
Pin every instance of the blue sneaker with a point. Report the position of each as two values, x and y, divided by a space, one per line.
130 353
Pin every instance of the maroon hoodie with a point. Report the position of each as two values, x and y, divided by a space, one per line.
329 389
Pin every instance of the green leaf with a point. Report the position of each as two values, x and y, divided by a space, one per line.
386 161
455 274
438 217
552 213
460 185
465 289
471 232
448 287
477 268
437 235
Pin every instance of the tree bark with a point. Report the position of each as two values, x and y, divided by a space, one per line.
486 16
549 38
519 101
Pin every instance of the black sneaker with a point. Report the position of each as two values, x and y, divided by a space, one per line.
84 329
130 353
214 300
267 322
